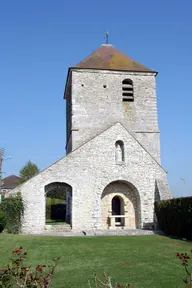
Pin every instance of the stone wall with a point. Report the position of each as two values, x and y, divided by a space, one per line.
97 104
88 170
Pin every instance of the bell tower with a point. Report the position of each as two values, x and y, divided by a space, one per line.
109 87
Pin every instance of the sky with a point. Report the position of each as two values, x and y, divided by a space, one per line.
39 40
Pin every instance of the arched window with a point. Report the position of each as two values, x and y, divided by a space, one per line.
119 152
127 90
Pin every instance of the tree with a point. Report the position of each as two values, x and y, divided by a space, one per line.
28 171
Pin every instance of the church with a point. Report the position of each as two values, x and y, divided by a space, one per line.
112 172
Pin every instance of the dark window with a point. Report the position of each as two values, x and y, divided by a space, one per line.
116 206
127 90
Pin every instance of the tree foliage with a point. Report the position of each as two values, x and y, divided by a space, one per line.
28 171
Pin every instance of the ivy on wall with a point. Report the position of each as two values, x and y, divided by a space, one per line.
14 208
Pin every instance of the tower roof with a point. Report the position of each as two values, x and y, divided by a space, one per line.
107 57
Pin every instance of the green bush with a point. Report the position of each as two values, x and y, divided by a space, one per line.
2 221
13 208
175 216
52 201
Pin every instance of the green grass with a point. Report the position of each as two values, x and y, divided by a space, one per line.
53 200
54 222
142 261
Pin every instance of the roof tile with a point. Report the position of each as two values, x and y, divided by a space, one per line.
107 57
10 182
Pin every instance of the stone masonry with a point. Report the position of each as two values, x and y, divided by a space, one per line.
98 119
94 108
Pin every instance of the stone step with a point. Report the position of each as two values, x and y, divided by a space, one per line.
119 232
115 232
58 228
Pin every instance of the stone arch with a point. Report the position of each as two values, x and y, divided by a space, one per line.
131 212
61 192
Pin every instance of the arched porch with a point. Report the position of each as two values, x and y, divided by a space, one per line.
120 206
58 203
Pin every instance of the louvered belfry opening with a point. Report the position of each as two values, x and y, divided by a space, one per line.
127 90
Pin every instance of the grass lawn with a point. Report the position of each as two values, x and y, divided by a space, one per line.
142 261
54 222
53 200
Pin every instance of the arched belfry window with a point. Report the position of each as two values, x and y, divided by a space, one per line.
127 90
119 152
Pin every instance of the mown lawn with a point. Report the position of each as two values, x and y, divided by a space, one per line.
142 261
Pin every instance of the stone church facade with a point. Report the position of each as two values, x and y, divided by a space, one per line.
112 171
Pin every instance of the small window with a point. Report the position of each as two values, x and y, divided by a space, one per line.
119 152
127 90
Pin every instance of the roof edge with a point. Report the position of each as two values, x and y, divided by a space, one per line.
66 83
144 148
98 134
120 70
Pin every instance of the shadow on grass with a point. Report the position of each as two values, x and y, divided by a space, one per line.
161 233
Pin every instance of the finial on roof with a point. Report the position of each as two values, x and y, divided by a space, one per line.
107 37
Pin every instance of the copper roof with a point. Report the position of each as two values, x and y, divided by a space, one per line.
107 57
10 182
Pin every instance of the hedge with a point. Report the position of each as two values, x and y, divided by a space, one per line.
58 212
175 216
55 212
2 221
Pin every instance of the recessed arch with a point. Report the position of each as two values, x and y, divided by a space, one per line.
130 206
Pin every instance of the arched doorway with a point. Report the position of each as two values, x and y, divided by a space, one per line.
118 210
116 206
120 206
58 196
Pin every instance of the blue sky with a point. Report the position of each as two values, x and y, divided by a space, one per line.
40 39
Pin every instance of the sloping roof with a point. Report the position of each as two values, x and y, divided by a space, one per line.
10 182
43 171
109 58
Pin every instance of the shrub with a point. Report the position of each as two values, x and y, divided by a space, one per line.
16 274
175 216
106 282
13 208
184 258
2 221
52 201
